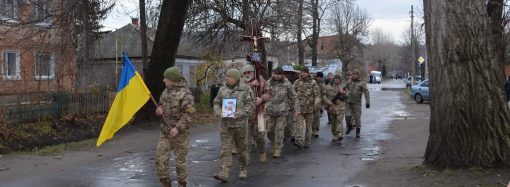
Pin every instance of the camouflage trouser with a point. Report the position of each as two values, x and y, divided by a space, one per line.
355 110
180 146
259 137
348 113
227 136
275 131
304 127
316 122
290 125
336 124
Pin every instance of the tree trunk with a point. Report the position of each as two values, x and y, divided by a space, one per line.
469 115
143 37
164 51
301 47
315 30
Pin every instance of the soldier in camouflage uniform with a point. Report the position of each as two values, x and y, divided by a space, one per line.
355 88
259 137
307 91
176 103
334 100
234 128
317 114
283 100
348 120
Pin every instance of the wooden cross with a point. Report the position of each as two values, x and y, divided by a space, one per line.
254 37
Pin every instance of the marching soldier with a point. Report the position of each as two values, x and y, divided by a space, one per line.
283 100
335 105
348 120
307 91
317 113
355 89
259 137
176 103
234 122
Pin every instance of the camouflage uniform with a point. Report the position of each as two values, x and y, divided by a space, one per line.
353 99
336 109
283 100
177 103
234 129
316 115
307 91
348 112
253 130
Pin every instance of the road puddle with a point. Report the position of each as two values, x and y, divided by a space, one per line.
371 153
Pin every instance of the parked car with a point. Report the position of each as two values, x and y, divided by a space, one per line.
409 81
376 76
420 92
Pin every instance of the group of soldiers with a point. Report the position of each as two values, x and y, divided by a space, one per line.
289 108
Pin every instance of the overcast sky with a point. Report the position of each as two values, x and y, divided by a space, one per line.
391 16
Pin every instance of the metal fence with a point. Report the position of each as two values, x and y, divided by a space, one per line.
54 105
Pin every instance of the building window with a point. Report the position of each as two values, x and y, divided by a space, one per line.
10 67
44 66
8 10
42 9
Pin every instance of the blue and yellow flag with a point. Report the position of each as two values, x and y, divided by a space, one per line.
132 94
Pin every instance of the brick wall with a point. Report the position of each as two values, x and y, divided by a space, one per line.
27 82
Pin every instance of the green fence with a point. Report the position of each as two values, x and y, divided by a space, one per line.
55 105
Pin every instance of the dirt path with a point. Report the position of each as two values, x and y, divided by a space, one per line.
401 163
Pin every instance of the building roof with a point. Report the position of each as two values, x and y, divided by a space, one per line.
127 39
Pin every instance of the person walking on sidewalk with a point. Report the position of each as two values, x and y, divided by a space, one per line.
175 105
259 137
334 100
283 100
307 91
355 89
317 113
233 104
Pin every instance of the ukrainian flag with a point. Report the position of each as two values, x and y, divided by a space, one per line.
132 94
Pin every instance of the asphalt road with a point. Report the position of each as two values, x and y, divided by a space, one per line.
326 163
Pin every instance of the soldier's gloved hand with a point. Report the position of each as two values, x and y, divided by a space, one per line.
367 105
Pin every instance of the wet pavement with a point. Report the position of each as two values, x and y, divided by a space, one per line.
326 163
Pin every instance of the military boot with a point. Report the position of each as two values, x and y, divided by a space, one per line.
243 173
358 130
182 184
349 124
165 182
262 157
277 153
234 150
222 176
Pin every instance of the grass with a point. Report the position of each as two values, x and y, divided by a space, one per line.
56 149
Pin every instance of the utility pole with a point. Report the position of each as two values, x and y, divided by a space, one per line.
413 64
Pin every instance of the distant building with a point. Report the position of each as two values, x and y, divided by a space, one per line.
107 64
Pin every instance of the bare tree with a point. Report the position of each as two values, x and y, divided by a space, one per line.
299 33
350 24
469 120
382 50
